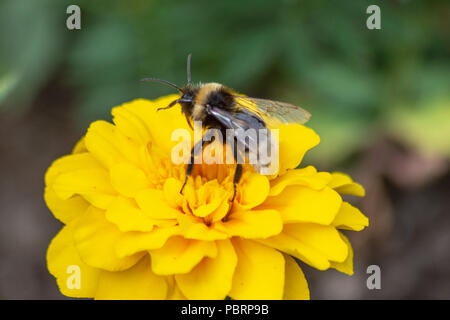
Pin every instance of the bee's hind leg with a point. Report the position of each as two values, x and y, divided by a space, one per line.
237 177
238 170
197 149
188 173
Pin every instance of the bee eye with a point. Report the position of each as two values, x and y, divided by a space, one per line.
187 98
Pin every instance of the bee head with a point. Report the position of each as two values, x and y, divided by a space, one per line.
187 92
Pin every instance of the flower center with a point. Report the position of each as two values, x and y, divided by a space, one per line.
208 190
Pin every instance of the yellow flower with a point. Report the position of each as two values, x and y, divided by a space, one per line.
130 234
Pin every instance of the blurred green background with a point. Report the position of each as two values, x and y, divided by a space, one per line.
379 99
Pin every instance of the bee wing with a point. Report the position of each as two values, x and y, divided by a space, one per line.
272 112
237 121
248 145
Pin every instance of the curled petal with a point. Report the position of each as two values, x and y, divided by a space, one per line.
295 284
63 261
303 204
65 210
95 239
252 224
221 211
212 277
253 191
345 266
133 242
130 124
70 163
343 184
154 205
160 125
128 179
179 255
210 197
308 177
174 292
259 273
101 141
314 244
350 218
172 193
80 147
136 283
294 141
194 228
128 217
92 184
324 239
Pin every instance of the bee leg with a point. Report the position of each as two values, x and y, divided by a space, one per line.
237 177
198 147
238 171
190 165
169 106
188 173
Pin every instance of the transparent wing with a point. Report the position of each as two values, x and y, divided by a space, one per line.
249 143
273 112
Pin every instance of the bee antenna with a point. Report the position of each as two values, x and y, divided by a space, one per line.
189 68
163 81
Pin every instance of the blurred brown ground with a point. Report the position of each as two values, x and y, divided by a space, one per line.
408 237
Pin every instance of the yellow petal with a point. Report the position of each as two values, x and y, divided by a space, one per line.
101 141
95 239
176 294
209 198
65 210
303 204
253 191
294 141
80 147
221 211
350 218
252 224
179 255
63 262
314 244
128 217
160 124
343 184
308 177
70 163
154 205
212 277
295 284
136 283
130 124
324 239
347 265
134 241
193 228
127 179
259 273
172 193
92 184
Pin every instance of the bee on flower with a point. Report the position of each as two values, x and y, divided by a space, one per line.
134 235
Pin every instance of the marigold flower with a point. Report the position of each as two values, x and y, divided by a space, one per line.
134 236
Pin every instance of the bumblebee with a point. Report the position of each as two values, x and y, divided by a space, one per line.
219 107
